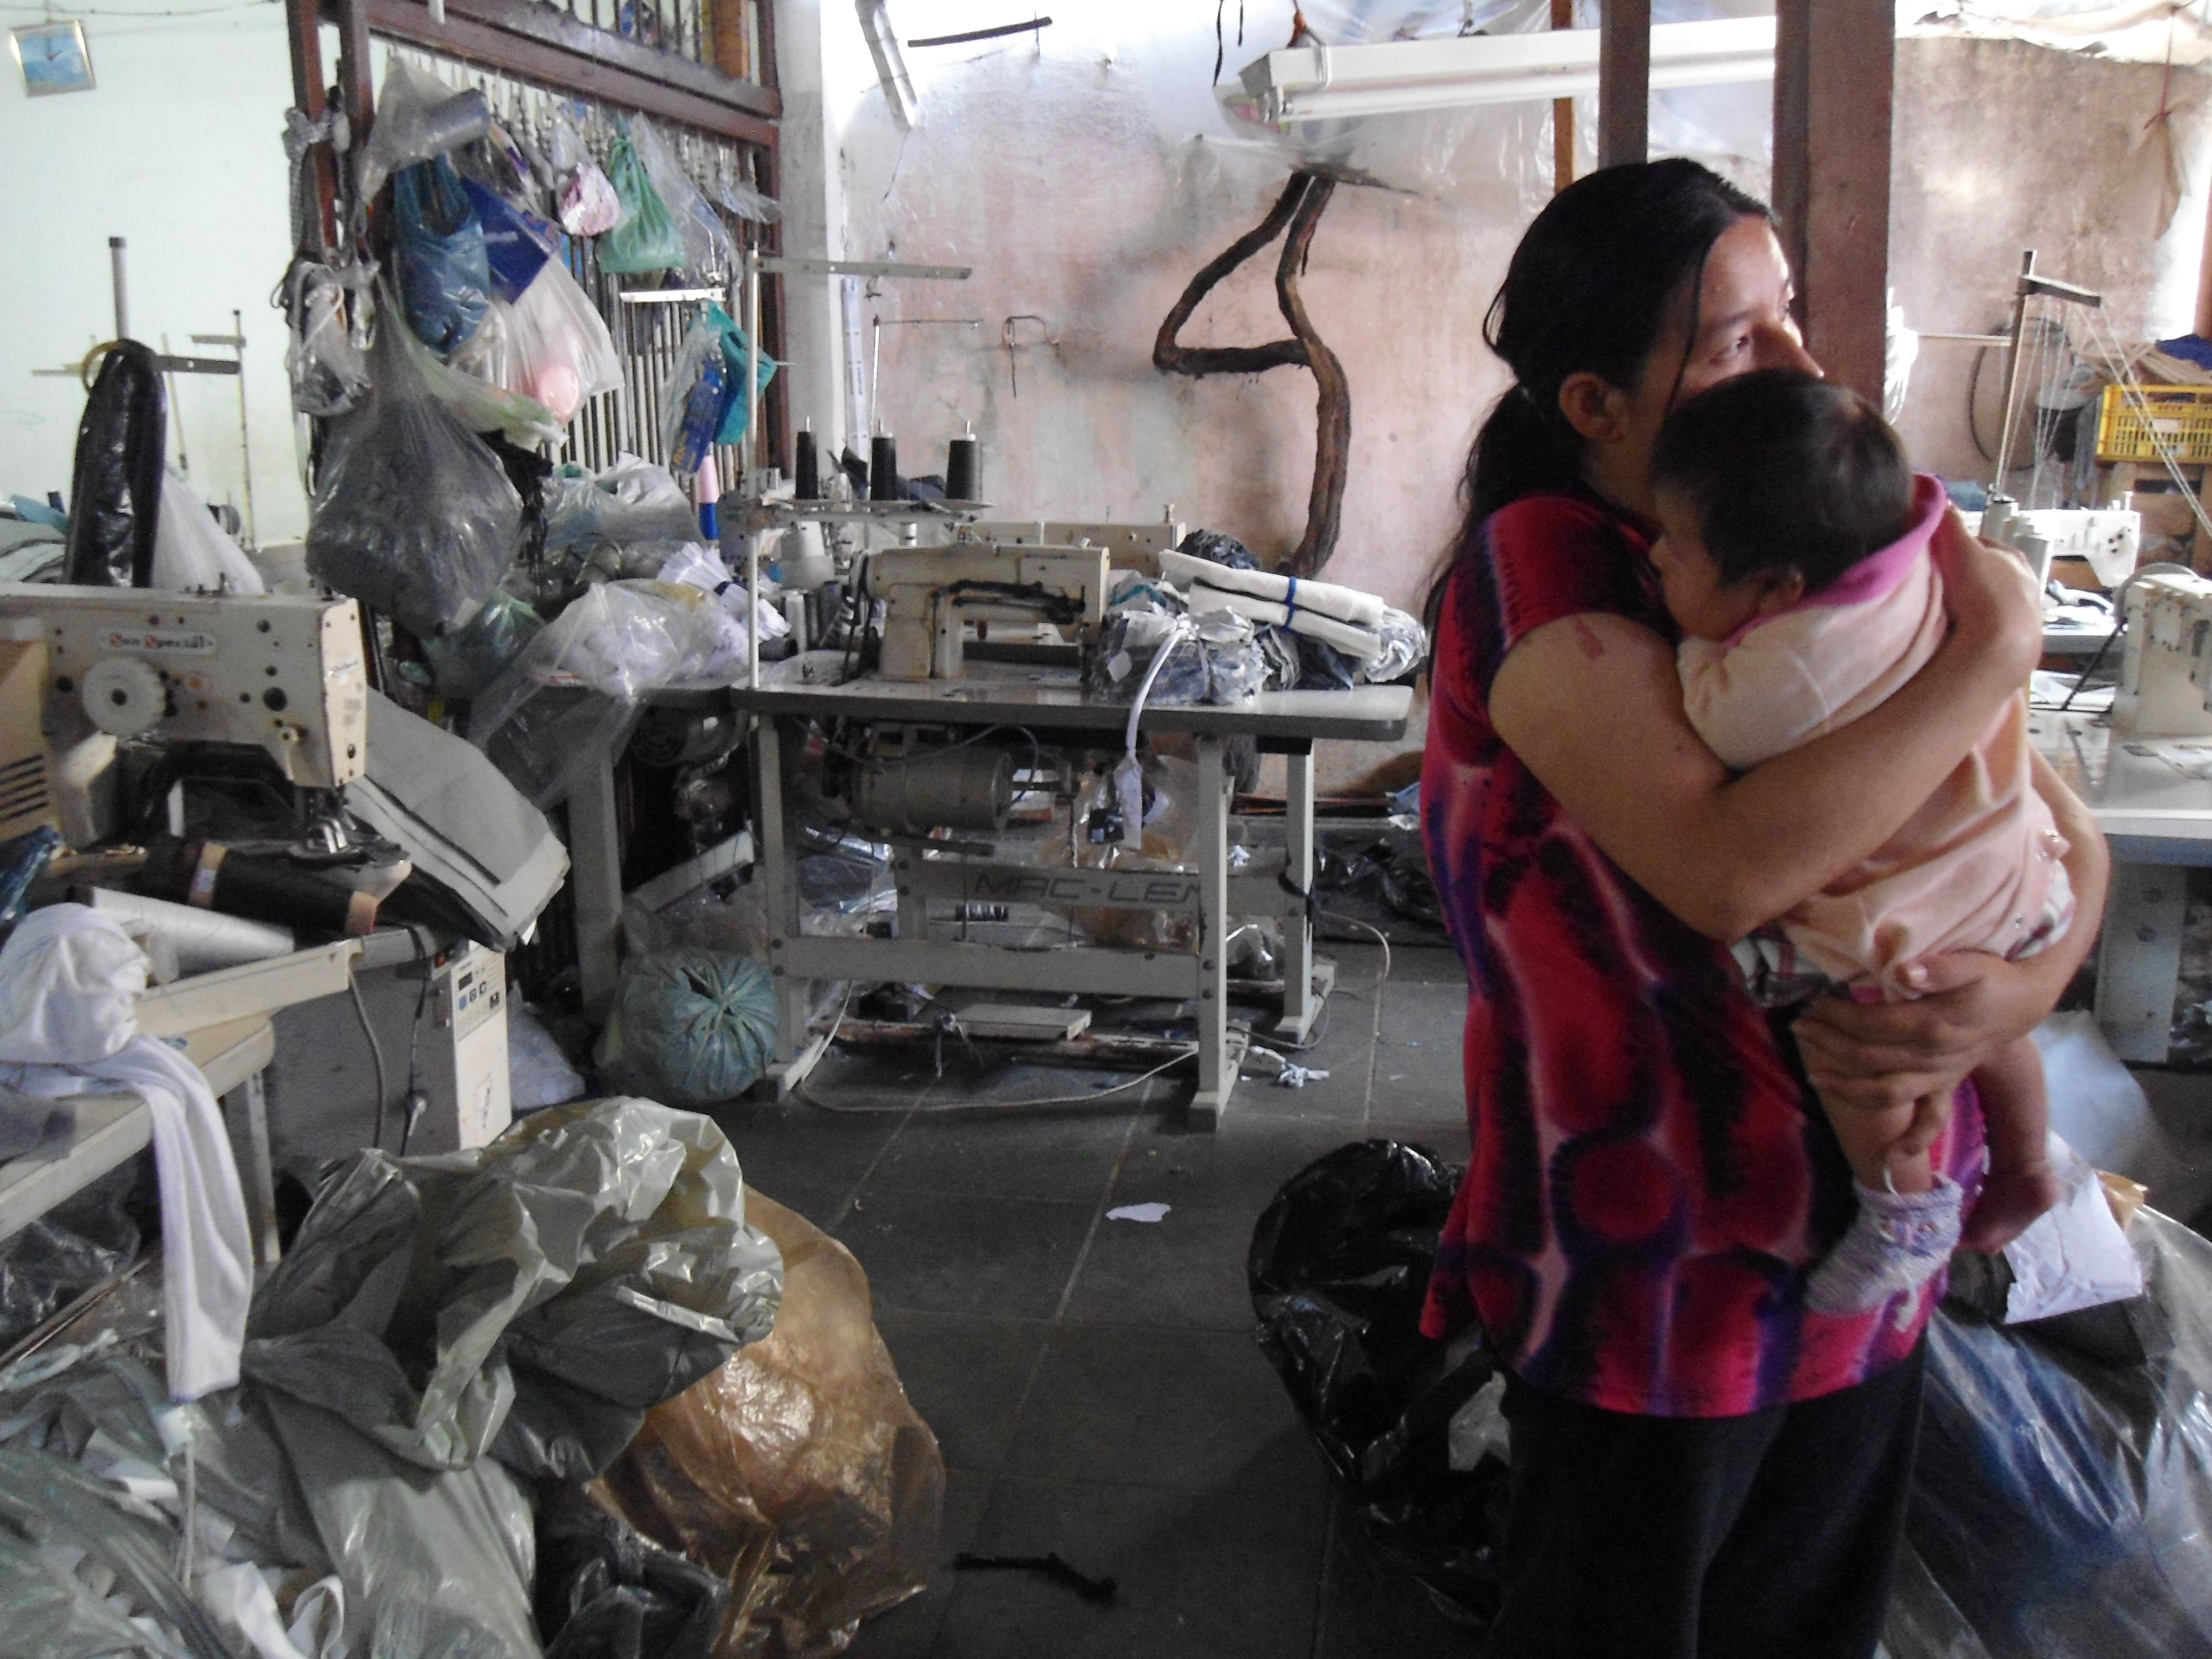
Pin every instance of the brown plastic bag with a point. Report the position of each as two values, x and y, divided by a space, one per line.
798 1471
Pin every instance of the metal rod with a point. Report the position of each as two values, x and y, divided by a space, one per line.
752 369
122 288
2013 368
244 437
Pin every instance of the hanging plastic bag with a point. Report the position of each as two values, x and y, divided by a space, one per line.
695 1027
738 417
190 548
417 117
589 206
465 662
413 515
517 243
549 345
695 400
708 253
445 273
329 374
799 1469
474 401
644 239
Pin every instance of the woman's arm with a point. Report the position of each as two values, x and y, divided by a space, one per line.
1592 705
1882 1055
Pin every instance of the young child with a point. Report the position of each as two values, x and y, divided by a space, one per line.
1794 557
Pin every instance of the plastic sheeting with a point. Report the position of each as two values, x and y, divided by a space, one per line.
534 1295
2061 1508
798 1472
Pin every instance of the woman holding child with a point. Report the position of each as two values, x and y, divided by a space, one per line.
1711 1303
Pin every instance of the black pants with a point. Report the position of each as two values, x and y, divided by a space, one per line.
1769 1536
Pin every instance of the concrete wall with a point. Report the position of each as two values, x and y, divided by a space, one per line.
178 150
2002 146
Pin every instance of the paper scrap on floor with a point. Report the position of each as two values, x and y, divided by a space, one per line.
1138 1212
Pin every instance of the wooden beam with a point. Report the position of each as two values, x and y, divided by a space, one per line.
356 78
730 108
303 32
1563 112
1623 82
1835 71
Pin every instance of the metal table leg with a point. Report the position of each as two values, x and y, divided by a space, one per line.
2139 958
796 1050
595 870
247 1107
1217 1068
1300 1006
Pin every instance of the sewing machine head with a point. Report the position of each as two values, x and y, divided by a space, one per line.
932 595
2166 674
284 674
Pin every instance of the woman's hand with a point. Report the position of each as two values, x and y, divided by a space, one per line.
1991 597
1883 1056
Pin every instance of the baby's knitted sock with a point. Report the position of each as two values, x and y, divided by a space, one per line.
1897 1242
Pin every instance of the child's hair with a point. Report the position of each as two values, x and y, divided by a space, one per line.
1786 472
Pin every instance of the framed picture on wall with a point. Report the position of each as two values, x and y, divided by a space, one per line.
52 57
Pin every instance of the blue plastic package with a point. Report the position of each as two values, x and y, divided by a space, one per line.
445 272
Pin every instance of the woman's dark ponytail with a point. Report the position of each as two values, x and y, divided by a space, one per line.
1587 292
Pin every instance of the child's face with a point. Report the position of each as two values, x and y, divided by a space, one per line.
1702 605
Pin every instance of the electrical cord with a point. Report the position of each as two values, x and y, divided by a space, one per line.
416 1100
375 1053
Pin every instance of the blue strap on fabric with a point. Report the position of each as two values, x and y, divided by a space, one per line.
1291 594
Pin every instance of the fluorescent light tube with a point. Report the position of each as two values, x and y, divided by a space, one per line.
1322 83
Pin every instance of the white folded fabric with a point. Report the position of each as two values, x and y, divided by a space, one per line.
1346 605
1355 642
70 979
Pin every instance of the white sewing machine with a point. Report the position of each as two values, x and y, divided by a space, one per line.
281 673
2166 674
2109 538
932 595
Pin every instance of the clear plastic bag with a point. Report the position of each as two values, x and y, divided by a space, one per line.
465 662
695 396
417 117
708 254
1405 647
518 245
798 1468
329 374
191 550
589 205
632 500
549 345
644 239
412 515
445 273
476 402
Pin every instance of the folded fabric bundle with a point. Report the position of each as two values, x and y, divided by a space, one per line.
1359 643
1344 605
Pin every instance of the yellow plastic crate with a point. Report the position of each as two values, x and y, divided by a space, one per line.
2168 421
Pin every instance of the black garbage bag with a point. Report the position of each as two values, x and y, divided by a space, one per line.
605 1591
115 487
1339 1268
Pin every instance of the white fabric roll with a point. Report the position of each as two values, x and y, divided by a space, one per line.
1355 642
1346 605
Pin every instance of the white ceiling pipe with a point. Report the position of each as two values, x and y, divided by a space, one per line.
1319 83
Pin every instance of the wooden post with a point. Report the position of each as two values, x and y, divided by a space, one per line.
302 26
1835 71
1623 82
356 78
1563 113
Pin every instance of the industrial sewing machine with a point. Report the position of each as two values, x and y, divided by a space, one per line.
2165 673
82 669
933 595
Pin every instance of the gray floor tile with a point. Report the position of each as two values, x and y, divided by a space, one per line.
797 1146
1419 1071
1007 1258
1225 1572
1186 1269
1186 1407
1070 1156
1372 1605
909 1629
967 1376
1243 1163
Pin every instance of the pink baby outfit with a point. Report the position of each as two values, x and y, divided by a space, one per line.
1976 868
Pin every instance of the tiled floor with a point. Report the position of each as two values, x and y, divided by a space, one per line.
1094 1384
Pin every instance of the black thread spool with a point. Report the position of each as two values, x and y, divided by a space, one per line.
806 467
883 468
963 470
